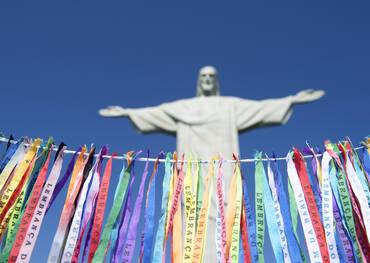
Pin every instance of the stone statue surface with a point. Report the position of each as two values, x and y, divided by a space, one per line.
209 124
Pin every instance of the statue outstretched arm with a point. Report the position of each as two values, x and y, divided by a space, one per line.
306 96
147 119
250 113
113 112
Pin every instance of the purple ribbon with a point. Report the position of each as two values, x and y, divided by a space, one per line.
126 218
129 245
347 247
88 236
64 179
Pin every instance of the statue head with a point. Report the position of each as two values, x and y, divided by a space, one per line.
208 82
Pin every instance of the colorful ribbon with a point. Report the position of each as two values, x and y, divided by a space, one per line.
38 216
332 204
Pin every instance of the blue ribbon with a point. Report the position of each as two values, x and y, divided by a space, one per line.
114 234
295 251
8 155
158 244
338 205
251 226
361 176
148 233
272 226
366 162
59 186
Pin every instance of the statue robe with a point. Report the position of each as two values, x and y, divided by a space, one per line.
208 126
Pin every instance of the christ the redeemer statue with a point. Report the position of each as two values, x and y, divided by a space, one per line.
209 124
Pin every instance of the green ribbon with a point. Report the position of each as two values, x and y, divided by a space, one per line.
200 189
293 209
358 162
294 218
347 207
113 215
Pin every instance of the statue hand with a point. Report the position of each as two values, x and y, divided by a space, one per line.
113 111
308 95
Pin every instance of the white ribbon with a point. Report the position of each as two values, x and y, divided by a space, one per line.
76 221
327 207
360 194
278 215
309 232
9 167
38 216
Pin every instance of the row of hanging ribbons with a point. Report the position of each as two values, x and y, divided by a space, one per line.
330 195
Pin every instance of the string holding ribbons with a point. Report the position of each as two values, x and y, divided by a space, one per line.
327 200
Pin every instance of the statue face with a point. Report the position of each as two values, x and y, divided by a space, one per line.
208 79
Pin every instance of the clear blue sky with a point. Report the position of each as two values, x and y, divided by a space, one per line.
62 61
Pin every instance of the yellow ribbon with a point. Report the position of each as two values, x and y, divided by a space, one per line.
8 169
203 216
18 173
177 228
231 210
18 201
235 236
76 169
170 194
190 191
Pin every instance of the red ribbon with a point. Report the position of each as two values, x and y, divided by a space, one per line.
16 192
28 213
100 209
311 205
245 240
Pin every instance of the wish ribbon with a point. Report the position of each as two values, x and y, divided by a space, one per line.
159 238
11 149
221 219
203 216
259 206
28 214
327 208
129 245
190 211
113 214
69 207
18 174
279 220
17 157
250 223
100 208
271 222
235 236
244 233
311 205
76 225
345 202
125 220
308 229
176 225
89 204
38 216
295 250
